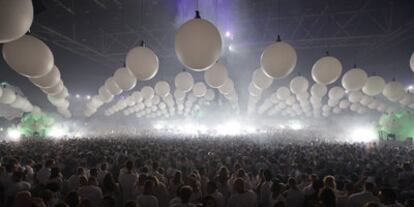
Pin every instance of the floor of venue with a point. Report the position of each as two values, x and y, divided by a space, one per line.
227 171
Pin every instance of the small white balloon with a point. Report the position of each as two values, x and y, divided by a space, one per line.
147 92
216 76
326 70
28 56
50 79
283 93
184 81
210 95
354 79
318 90
278 59
104 95
8 96
112 86
227 88
125 79
336 93
55 89
162 88
254 90
198 44
299 84
179 95
343 104
261 80
355 96
199 89
142 62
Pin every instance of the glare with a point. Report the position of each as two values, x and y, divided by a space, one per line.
231 48
88 97
410 87
229 128
56 132
1 129
77 96
158 126
228 34
14 134
366 134
296 126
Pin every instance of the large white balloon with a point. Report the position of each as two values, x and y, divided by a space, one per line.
16 17
198 44
283 93
216 76
104 95
278 59
125 79
112 86
394 91
147 92
336 93
142 62
326 70
48 80
184 81
162 88
318 90
261 80
354 79
8 96
28 56
374 85
227 88
299 84
254 90
199 89
412 62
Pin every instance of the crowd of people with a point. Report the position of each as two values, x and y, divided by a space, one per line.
210 172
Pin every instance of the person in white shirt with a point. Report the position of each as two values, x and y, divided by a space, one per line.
127 181
294 197
361 198
73 181
214 193
242 197
43 174
147 199
90 191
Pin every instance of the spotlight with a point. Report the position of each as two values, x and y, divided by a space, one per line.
14 134
77 96
366 134
228 34
56 132
231 49
88 97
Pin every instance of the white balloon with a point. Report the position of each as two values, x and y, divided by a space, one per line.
104 95
199 89
336 93
147 92
394 91
162 88
254 90
326 70
48 80
354 79
125 79
184 81
318 90
344 104
407 100
96 102
210 95
412 62
137 96
290 100
155 100
8 96
366 100
283 93
112 86
18 103
278 60
227 88
355 96
55 89
28 56
55 101
333 102
374 86
216 76
179 95
299 84
16 17
142 62
198 44
1 91
261 80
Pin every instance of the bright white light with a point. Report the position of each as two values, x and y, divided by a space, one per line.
229 128
250 129
228 34
231 49
1 129
410 87
366 134
56 132
158 126
14 134
88 97
296 126
282 126
77 96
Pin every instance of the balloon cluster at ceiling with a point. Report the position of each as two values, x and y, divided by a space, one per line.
12 97
28 55
198 46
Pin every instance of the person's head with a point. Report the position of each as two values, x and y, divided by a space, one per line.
238 185
371 204
276 188
223 172
177 177
54 172
407 166
329 182
141 179
211 187
267 175
83 181
368 186
94 172
108 201
130 204
185 193
50 163
17 176
387 196
129 165
327 197
202 170
80 171
292 183
148 187
103 167
241 173
72 199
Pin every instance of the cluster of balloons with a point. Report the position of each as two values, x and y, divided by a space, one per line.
141 64
32 58
10 97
